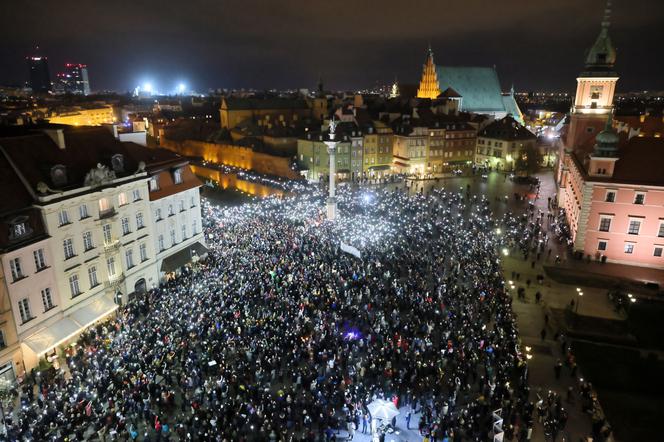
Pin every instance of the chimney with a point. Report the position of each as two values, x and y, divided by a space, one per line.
57 135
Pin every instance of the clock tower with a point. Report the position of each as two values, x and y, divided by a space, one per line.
595 88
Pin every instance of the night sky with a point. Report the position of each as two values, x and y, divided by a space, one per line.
536 44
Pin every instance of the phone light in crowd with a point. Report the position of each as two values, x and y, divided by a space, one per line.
506 252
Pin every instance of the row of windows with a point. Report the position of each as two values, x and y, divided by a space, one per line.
25 311
629 248
171 211
104 204
634 227
88 241
16 266
161 244
177 179
639 197
93 278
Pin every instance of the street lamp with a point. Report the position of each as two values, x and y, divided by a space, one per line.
580 293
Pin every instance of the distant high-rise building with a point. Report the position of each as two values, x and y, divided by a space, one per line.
39 80
73 80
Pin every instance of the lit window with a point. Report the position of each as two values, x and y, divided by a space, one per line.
122 199
104 206
177 176
629 247
154 183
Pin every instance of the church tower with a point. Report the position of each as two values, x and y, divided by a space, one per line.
429 87
595 88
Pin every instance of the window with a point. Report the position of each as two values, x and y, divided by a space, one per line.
40 259
125 226
629 247
68 246
136 194
74 286
104 206
108 237
193 227
173 236
181 205
610 197
601 246
658 251
177 176
604 224
193 202
170 210
18 230
139 221
24 310
63 217
92 276
154 183
47 299
158 215
639 198
634 227
110 264
129 255
143 251
161 243
184 232
122 199
83 211
660 233
87 241
2 339
17 272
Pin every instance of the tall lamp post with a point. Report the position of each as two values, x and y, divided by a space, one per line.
578 300
332 151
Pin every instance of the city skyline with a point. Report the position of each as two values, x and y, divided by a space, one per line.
264 46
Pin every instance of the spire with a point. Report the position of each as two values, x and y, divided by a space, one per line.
602 55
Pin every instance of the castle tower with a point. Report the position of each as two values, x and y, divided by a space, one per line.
429 87
595 89
605 153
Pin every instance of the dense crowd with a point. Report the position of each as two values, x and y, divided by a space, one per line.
280 335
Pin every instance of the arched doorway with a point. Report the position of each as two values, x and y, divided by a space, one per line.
118 298
140 287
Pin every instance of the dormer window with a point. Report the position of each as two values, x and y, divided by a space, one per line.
19 227
59 175
177 176
117 162
154 183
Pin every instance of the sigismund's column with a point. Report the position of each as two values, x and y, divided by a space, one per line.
332 151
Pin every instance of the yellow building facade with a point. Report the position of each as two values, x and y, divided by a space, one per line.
84 116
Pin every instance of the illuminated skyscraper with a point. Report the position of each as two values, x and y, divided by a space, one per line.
39 80
74 79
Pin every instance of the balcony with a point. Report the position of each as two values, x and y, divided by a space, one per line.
115 281
112 246
108 213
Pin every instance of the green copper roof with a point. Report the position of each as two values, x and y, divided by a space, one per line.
479 87
512 108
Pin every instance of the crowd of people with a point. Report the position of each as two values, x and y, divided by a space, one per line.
280 335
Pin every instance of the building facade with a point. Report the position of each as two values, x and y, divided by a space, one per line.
502 142
86 236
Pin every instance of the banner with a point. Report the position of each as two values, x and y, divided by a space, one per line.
350 249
